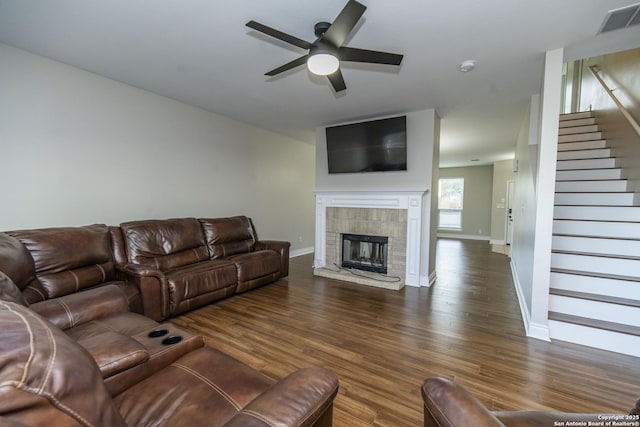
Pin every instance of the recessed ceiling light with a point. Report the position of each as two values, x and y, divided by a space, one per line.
467 65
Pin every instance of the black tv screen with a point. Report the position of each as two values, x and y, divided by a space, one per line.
375 146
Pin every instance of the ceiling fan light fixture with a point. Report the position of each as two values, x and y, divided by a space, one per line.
324 55
322 62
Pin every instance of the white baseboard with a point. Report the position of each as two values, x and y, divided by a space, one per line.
538 331
498 242
427 281
300 252
432 279
533 330
464 236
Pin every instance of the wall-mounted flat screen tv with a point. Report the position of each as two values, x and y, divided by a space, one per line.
374 146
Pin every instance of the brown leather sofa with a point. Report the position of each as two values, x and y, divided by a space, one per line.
165 267
75 350
200 260
446 404
111 367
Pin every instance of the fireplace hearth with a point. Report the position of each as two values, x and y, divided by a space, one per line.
368 253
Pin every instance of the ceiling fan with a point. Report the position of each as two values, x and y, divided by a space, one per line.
326 52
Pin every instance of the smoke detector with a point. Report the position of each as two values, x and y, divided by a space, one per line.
467 65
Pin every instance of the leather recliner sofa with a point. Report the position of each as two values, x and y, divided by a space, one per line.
165 267
446 404
112 367
201 260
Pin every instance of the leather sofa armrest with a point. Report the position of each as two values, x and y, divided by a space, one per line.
282 248
446 404
114 352
304 398
153 287
75 309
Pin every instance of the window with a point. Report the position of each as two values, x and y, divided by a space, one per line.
450 196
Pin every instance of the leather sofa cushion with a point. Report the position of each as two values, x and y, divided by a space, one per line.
201 278
206 378
129 324
228 236
165 244
67 259
73 310
114 352
256 264
46 377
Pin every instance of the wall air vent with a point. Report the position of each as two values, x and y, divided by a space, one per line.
621 18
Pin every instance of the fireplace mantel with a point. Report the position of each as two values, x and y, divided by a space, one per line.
411 201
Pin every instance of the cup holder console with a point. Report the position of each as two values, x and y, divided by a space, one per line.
158 333
174 339
168 335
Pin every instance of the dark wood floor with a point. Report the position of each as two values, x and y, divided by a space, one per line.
383 344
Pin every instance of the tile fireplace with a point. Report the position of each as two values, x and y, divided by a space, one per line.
396 216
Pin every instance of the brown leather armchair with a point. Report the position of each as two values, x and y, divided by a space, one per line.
446 404
127 370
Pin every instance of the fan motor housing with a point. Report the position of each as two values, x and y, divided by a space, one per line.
320 28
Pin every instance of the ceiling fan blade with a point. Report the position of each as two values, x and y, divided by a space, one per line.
344 23
278 34
370 56
288 66
337 81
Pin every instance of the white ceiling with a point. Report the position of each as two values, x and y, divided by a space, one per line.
200 52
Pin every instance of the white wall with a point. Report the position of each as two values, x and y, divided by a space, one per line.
621 72
420 142
534 200
77 148
524 209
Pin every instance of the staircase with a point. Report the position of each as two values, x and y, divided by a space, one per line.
594 296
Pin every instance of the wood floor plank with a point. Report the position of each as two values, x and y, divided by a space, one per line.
384 343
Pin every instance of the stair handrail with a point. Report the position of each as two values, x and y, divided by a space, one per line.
594 70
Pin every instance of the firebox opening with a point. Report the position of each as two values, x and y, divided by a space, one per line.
368 253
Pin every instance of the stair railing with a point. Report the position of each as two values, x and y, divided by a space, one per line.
594 70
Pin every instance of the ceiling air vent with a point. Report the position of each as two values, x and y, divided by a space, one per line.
621 18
